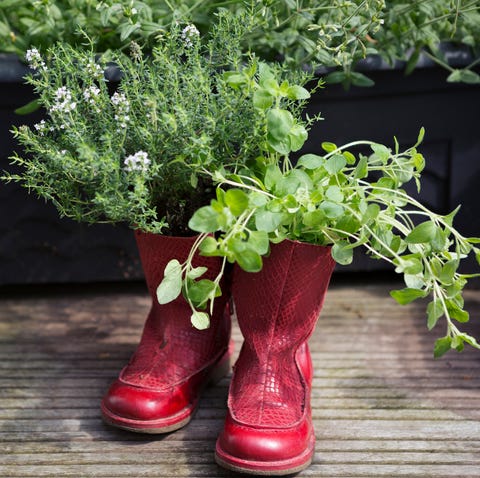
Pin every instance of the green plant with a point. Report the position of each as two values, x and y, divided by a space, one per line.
335 34
338 199
104 156
201 130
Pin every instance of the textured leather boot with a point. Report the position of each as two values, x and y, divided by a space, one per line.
158 390
268 428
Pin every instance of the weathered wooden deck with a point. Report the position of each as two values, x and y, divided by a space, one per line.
382 406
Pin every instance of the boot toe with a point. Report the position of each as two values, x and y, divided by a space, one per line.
252 449
140 409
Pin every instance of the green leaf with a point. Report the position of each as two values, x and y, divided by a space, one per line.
296 92
234 79
273 175
258 241
30 107
342 252
335 164
409 265
349 157
298 135
200 320
329 147
204 219
331 209
249 261
199 292
434 312
196 272
359 79
421 135
209 246
311 161
456 312
267 221
442 346
334 193
380 153
447 275
407 295
262 99
449 219
413 60
236 200
457 343
314 218
171 286
279 123
371 213
423 233
348 223
336 77
464 76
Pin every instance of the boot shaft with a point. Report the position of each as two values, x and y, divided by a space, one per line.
170 347
277 310
285 297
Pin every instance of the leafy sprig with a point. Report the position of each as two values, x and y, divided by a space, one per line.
342 199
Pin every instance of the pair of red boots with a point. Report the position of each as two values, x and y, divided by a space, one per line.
268 429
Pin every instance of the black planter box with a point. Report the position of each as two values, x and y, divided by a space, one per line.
38 247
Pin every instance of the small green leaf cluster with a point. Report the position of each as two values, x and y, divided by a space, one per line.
341 199
135 150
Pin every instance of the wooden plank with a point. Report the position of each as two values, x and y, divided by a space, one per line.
381 405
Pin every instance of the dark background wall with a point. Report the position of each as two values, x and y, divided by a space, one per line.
38 247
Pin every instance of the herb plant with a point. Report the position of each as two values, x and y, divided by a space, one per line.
132 151
338 199
198 138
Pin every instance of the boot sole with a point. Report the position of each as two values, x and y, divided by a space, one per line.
174 422
262 468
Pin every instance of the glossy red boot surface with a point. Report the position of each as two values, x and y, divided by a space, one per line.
158 391
268 429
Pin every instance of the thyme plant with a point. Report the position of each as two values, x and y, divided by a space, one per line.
110 152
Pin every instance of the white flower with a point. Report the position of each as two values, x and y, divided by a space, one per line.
189 34
137 162
90 95
63 101
34 59
41 127
122 107
134 11
95 70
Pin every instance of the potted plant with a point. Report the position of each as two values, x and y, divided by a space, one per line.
193 149
334 38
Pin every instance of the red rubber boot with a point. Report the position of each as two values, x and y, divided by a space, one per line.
158 390
268 429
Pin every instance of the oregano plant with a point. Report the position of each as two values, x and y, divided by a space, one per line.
343 199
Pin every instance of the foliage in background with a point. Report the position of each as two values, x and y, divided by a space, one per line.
334 34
